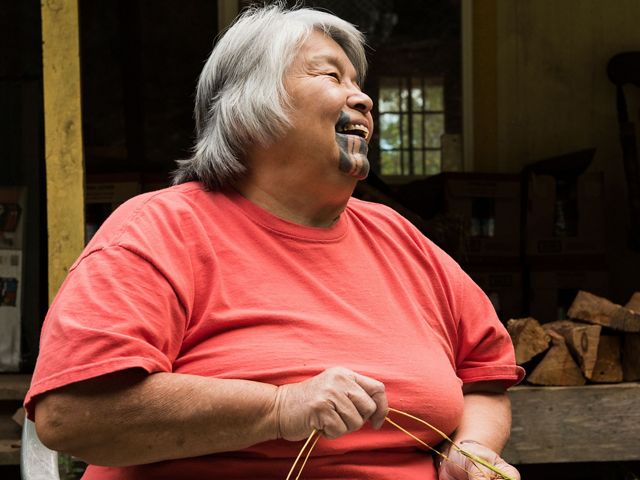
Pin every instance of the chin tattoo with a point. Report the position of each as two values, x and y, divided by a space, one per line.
353 146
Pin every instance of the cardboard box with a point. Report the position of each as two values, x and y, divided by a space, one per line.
503 286
488 206
10 309
565 216
551 292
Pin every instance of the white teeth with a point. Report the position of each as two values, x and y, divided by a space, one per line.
355 126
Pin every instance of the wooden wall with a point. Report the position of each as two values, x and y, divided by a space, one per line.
553 97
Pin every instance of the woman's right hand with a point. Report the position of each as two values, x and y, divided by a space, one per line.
335 402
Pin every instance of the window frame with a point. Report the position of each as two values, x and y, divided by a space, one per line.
407 114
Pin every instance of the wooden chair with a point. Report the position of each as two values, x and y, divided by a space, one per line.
624 69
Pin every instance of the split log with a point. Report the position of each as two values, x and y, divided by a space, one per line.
608 367
528 337
600 311
558 366
19 416
634 302
631 357
582 340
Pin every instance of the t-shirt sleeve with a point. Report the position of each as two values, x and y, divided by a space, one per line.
116 310
485 351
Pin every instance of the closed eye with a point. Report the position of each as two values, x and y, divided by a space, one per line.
335 75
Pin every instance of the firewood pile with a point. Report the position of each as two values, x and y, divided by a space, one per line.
599 343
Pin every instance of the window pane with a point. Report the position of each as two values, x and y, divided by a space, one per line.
432 158
434 98
389 131
404 98
416 94
390 162
434 126
389 100
418 162
405 131
416 130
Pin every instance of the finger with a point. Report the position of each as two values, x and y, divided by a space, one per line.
365 405
348 412
507 469
482 473
455 467
331 425
376 392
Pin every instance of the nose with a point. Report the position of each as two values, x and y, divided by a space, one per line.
360 101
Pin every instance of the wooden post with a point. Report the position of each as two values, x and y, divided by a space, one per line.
485 84
227 12
63 137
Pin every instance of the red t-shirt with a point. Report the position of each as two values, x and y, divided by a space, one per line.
207 283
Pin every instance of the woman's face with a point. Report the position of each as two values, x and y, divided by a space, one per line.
331 119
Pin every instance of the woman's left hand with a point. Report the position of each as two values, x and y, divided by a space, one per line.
461 467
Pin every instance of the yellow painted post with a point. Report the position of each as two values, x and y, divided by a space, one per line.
227 12
63 137
485 84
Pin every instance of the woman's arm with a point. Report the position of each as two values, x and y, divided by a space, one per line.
486 418
483 431
132 417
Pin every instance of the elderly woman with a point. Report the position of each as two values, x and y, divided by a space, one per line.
210 327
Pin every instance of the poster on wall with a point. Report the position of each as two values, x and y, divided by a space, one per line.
10 311
12 205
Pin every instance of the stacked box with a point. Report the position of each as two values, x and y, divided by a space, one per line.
487 207
565 217
552 290
564 242
503 284
475 217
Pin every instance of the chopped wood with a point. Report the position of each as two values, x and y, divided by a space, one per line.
608 367
600 311
19 416
634 302
631 357
558 366
582 340
528 337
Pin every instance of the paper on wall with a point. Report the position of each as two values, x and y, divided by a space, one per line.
10 311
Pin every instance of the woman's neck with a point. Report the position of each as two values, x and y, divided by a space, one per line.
303 208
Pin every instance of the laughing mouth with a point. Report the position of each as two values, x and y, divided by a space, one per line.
354 129
345 127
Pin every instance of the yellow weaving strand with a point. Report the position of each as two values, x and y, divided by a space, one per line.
293 467
444 457
474 458
307 457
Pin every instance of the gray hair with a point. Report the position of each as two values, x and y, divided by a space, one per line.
241 98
